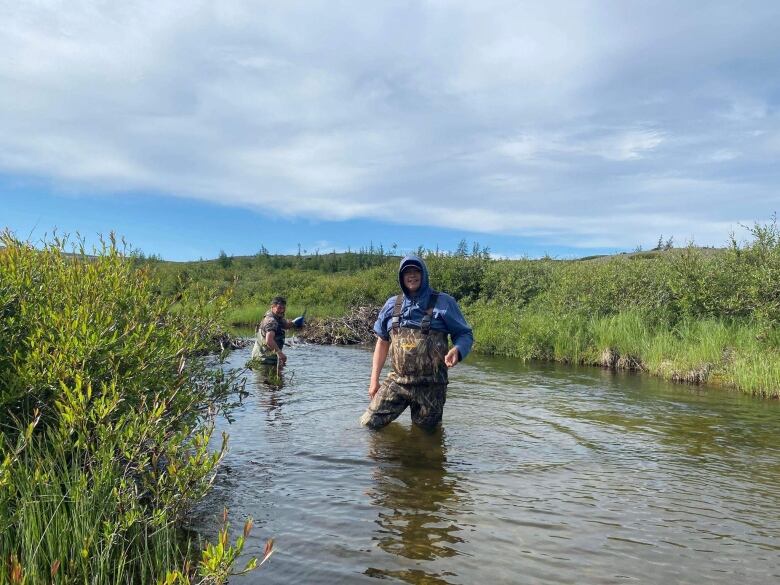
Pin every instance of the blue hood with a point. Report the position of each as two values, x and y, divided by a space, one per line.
425 288
447 316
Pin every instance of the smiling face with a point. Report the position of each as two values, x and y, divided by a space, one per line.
412 279
278 310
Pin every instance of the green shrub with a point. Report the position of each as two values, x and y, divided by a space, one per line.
517 282
104 407
637 306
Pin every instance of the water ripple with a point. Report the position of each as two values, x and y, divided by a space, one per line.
539 474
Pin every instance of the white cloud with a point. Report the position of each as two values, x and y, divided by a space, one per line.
610 144
580 122
721 155
630 145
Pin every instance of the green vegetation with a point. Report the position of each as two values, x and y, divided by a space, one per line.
689 314
325 285
106 410
105 421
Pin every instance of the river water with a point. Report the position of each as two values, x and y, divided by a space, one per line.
539 474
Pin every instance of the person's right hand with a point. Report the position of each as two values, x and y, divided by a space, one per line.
282 358
373 388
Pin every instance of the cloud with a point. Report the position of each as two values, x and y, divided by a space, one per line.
580 123
610 144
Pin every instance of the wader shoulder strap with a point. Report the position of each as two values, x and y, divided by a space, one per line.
396 322
425 324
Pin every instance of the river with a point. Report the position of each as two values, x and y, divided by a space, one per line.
539 474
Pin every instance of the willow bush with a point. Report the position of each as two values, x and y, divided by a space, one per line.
643 307
691 314
106 416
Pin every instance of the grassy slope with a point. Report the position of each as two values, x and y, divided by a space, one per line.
690 314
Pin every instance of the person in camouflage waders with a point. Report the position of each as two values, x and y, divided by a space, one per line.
413 328
267 350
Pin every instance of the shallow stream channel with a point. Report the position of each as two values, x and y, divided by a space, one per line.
539 474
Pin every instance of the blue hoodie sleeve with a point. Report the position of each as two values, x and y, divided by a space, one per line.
458 328
383 320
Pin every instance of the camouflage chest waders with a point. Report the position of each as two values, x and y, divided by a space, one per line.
419 375
261 353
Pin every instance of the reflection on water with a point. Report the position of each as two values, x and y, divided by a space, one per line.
412 493
539 474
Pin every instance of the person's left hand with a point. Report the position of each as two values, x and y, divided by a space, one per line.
452 357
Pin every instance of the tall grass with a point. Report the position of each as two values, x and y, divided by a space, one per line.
687 314
251 314
66 521
105 411
695 351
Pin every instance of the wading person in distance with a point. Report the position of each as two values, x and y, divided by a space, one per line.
267 350
413 327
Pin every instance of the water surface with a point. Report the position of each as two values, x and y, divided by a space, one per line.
539 474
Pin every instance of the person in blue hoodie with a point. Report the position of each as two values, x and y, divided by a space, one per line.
413 328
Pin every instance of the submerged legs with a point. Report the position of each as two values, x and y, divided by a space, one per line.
426 402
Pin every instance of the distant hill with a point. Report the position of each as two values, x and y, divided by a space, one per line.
342 259
653 254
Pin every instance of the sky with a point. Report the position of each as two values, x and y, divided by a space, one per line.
562 128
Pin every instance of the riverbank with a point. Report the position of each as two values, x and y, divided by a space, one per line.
694 351
694 315
106 415
704 352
